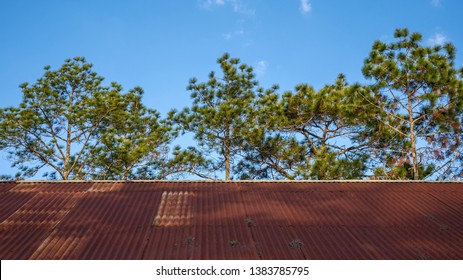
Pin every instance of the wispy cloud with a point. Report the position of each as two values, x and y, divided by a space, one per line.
437 39
436 3
209 3
241 7
231 35
305 6
261 67
237 6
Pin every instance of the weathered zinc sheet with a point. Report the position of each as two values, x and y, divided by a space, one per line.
231 220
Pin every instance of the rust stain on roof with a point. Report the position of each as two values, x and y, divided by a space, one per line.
231 220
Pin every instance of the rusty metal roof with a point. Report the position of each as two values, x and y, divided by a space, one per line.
231 220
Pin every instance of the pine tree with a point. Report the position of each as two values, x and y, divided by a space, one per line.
221 115
134 143
72 124
309 134
419 92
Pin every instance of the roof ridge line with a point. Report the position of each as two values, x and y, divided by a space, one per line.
229 181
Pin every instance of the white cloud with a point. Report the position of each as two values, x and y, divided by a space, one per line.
238 6
261 67
305 7
241 8
437 39
209 3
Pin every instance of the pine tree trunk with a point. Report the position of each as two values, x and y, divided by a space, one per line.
414 156
66 171
227 153
227 166
413 139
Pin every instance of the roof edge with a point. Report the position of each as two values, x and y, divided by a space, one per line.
229 181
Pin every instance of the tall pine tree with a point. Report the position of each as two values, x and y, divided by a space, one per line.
221 116
79 129
419 92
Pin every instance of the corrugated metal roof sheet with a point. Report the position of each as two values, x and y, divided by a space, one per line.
231 220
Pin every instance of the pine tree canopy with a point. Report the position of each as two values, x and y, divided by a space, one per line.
404 123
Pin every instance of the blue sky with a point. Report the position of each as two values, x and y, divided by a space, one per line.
160 45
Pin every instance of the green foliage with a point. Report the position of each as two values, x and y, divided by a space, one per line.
69 122
134 143
308 135
221 116
419 92
405 125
